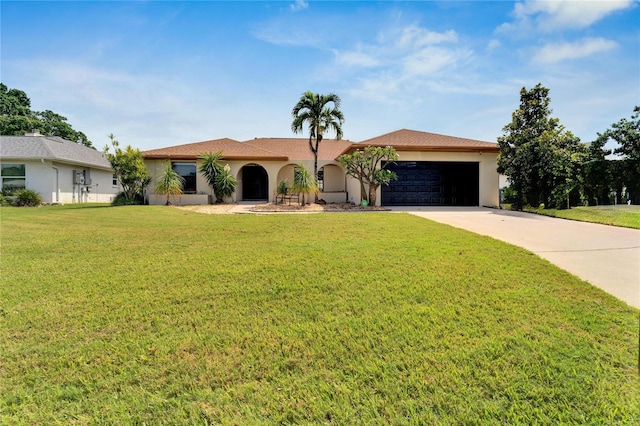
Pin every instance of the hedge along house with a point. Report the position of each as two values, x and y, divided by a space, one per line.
432 169
258 165
61 171
437 170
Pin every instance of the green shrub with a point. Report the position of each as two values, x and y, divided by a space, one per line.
4 200
26 198
122 200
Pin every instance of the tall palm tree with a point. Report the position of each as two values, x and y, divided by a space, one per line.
169 183
316 112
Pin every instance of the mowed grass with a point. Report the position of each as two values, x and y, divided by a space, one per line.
620 215
154 315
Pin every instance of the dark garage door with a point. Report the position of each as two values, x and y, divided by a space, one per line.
432 183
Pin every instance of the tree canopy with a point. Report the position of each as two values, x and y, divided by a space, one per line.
320 114
541 159
17 118
627 135
128 166
367 166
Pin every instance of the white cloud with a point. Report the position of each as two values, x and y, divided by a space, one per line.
299 5
379 88
430 60
355 58
399 60
550 16
414 36
556 52
493 44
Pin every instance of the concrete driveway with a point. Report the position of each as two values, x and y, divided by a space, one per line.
605 256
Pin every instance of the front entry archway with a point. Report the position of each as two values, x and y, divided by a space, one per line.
255 183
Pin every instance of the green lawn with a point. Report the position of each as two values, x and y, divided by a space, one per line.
154 315
621 215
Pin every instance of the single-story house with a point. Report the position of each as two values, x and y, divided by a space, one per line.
61 171
432 169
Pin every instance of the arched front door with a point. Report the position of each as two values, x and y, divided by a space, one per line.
255 183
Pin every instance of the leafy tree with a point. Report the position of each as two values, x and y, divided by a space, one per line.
320 113
596 172
217 176
170 183
304 182
52 124
538 155
128 165
627 134
17 118
368 166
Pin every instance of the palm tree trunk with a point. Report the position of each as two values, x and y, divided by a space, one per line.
315 166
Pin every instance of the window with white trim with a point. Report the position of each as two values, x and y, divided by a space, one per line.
13 177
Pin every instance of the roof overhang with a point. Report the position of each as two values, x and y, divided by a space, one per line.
224 157
416 148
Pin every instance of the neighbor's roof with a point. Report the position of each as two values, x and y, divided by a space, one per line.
297 149
51 148
413 140
231 150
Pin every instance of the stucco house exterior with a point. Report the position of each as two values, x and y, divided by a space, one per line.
432 169
61 171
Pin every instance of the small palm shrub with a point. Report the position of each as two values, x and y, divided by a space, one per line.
304 182
211 169
26 198
169 183
225 184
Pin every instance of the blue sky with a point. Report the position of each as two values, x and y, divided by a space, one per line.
162 73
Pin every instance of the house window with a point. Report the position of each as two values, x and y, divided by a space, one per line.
188 172
114 180
13 177
321 179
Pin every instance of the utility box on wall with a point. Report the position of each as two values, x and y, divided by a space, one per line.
81 177
78 177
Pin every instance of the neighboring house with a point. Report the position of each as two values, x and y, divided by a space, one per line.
433 170
61 171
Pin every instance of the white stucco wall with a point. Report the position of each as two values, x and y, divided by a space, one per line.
56 186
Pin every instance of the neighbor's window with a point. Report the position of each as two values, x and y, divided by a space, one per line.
13 177
188 172
114 180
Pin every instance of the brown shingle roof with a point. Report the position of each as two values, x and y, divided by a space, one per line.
297 149
231 150
412 140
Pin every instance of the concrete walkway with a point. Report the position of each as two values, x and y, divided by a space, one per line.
605 256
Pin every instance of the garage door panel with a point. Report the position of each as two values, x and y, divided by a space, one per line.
427 183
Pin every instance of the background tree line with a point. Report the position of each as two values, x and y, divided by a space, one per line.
17 118
547 165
